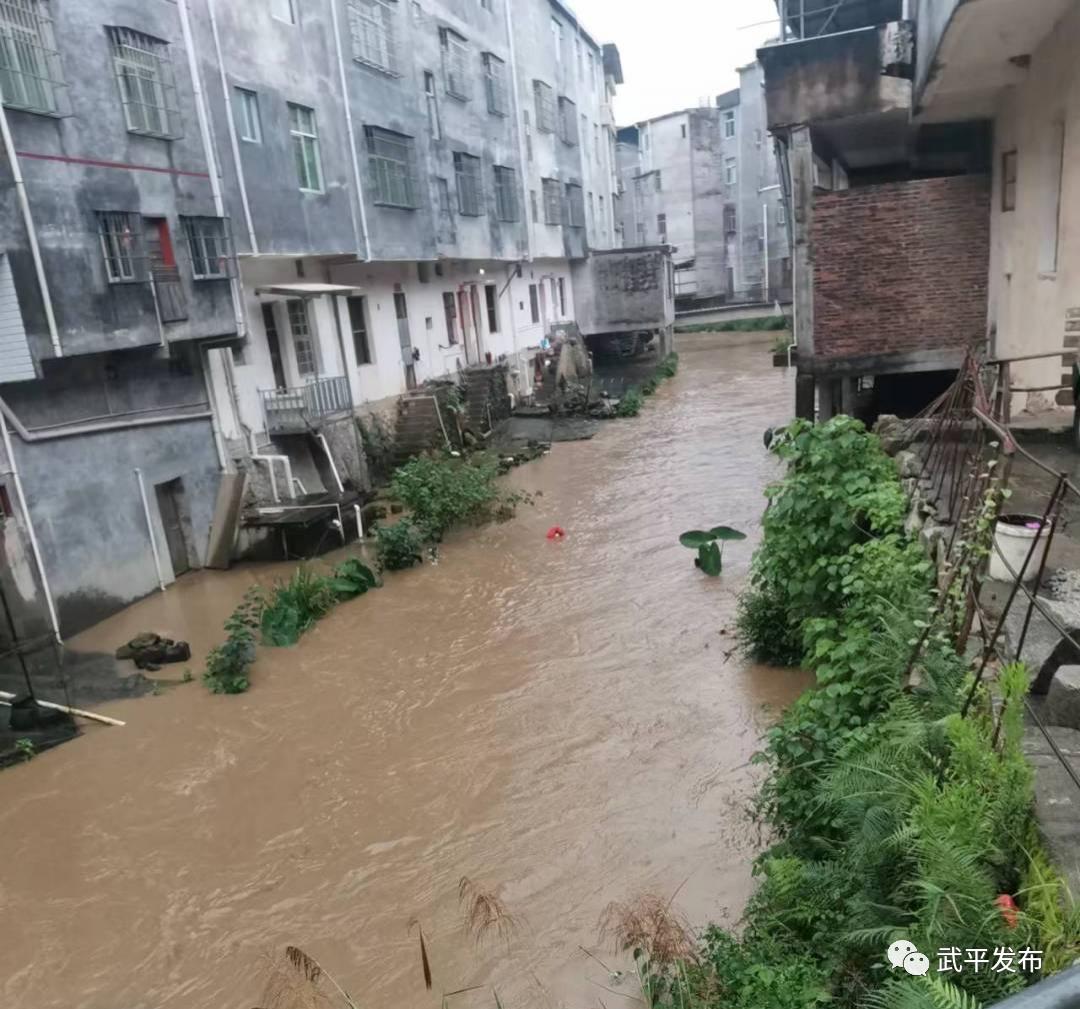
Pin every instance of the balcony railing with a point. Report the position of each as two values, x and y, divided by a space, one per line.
301 408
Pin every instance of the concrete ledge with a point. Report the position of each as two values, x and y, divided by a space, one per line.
707 341
900 362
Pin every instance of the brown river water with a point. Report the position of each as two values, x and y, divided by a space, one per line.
555 720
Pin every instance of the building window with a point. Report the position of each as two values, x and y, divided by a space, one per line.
359 327
562 298
391 158
30 74
557 37
596 142
506 206
371 25
603 219
147 90
729 124
641 232
729 219
208 242
545 107
121 246
248 123
455 52
683 129
552 201
591 69
577 56
470 190
491 302
495 85
1008 180
575 205
534 204
568 132
283 10
432 106
450 312
303 342
305 138
729 171
658 180
592 212
446 207
781 214
534 303
661 228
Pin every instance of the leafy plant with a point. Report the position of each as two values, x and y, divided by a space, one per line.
630 404
227 664
398 546
291 608
25 748
352 578
709 546
668 366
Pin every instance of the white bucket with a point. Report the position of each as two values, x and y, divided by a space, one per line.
1012 537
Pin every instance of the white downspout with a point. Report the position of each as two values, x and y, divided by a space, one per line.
352 139
34 546
765 246
333 466
208 148
253 242
150 527
523 152
31 231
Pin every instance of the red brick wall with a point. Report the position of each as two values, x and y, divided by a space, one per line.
901 266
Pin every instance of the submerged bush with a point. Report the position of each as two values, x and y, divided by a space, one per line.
398 546
630 404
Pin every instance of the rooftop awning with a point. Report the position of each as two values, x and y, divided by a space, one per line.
306 290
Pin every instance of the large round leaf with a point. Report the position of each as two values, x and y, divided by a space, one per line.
709 559
726 533
696 538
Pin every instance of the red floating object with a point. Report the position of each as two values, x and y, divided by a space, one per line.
556 533
1008 908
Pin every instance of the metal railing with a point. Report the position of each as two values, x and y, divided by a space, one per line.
1062 991
299 409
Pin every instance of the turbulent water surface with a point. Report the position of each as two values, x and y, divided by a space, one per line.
561 722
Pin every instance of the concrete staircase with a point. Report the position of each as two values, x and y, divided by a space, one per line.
418 429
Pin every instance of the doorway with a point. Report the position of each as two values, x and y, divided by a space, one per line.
273 342
474 306
174 520
408 362
161 259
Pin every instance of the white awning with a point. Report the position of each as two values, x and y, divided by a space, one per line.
305 290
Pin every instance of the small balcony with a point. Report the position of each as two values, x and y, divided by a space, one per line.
301 409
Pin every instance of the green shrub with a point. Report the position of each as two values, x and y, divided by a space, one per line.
227 664
668 367
759 325
398 546
630 404
291 608
649 386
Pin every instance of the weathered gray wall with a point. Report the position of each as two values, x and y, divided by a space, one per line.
624 291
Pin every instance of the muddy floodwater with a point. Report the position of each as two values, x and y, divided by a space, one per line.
557 721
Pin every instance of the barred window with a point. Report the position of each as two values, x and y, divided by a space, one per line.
545 107
30 76
307 362
729 219
553 209
120 234
305 138
147 88
575 205
455 52
470 190
506 203
495 85
567 121
390 162
208 242
374 43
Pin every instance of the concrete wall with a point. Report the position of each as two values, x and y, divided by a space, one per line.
901 267
1034 306
627 291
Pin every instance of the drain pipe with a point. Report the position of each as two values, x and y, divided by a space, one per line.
150 528
31 231
330 459
25 508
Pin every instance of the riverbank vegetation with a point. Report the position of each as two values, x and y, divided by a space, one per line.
633 399
762 324
893 816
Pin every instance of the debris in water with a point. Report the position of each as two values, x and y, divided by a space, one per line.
150 651
556 533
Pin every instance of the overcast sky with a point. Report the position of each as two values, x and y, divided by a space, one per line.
676 52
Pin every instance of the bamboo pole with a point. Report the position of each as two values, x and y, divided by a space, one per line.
6 699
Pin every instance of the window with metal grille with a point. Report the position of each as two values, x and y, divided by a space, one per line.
545 107
729 124
553 210
575 205
491 303
358 325
303 341
210 247
305 139
391 157
506 205
374 42
470 190
729 219
120 234
495 85
30 75
729 171
455 51
248 122
568 131
534 303
450 313
147 88
661 228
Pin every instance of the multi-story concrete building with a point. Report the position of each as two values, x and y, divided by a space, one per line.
705 181
229 228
